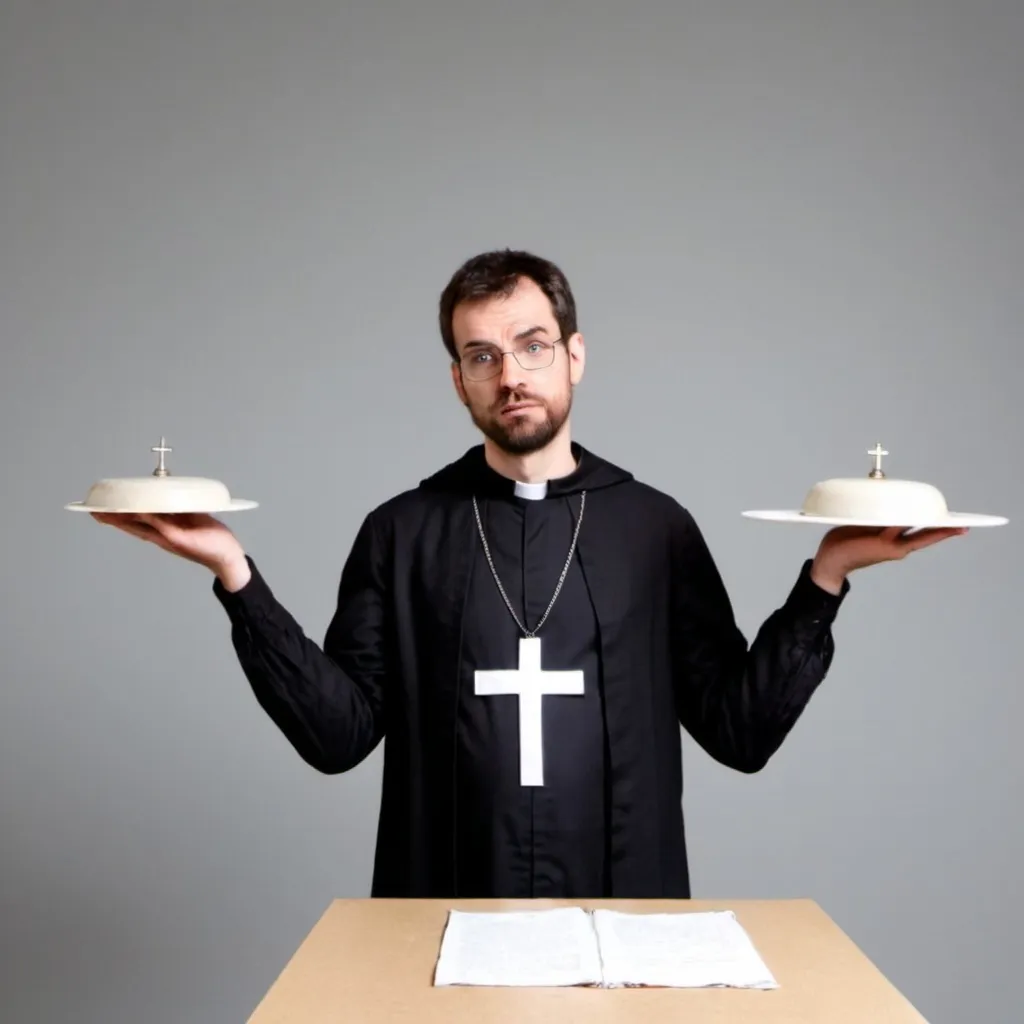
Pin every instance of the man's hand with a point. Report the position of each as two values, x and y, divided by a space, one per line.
847 548
195 537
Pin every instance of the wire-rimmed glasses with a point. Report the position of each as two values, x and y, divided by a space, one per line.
481 362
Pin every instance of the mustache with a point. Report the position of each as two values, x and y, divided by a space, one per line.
514 398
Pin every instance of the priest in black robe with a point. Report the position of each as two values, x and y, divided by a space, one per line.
526 631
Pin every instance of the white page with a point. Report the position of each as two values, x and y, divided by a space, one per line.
683 950
535 947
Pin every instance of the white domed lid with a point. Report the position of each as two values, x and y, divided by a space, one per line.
877 500
161 491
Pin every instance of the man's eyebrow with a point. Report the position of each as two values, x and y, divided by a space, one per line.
539 329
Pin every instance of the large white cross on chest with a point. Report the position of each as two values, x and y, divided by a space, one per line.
530 683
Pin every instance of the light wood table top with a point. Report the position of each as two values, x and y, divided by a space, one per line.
370 960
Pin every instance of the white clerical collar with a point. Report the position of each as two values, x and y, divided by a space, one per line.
531 491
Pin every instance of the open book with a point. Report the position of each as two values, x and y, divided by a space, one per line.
604 948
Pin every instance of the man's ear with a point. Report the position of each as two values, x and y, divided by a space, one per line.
577 357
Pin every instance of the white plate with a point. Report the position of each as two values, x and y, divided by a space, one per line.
235 505
954 520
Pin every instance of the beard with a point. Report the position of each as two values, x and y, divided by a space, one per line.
522 436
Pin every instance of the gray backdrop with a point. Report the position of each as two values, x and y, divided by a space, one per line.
794 229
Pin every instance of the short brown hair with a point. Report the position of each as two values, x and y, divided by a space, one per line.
497 273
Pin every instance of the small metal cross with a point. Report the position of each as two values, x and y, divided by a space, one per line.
878 451
162 449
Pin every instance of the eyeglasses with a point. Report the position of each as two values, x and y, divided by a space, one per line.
485 361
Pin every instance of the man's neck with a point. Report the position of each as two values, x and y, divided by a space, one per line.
553 461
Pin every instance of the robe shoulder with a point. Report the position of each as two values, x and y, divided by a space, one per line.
624 496
633 513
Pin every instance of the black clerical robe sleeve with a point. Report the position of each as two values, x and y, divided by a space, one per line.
740 700
327 700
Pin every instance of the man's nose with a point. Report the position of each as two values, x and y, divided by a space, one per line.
511 371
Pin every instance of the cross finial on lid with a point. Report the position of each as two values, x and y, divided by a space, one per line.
161 449
878 451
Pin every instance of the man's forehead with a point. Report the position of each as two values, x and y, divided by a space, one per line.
505 316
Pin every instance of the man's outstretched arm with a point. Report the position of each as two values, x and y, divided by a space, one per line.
738 700
329 701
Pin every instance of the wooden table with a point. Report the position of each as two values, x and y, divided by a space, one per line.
373 960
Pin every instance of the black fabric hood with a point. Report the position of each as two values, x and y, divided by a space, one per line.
471 474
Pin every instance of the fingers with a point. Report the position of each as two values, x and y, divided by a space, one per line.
137 528
920 539
143 526
926 538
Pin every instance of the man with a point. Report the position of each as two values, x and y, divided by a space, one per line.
528 552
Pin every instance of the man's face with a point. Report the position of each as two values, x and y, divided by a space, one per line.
519 409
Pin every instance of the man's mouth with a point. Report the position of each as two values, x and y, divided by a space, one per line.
513 407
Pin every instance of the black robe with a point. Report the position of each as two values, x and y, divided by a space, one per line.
642 612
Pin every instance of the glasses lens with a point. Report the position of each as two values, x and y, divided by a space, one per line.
481 364
535 355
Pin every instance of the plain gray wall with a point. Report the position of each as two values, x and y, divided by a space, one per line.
794 229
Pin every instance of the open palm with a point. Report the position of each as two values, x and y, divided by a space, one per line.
847 548
197 537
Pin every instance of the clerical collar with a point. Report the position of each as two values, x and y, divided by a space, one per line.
472 474
534 491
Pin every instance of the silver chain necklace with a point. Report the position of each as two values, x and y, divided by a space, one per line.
561 579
